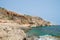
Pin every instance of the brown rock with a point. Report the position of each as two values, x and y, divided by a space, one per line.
22 19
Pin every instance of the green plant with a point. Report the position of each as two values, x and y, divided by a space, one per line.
10 17
2 8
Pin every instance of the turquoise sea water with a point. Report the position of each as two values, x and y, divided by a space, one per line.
45 30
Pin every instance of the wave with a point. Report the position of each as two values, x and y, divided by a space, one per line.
48 37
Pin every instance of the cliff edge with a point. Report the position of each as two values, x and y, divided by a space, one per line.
13 25
10 16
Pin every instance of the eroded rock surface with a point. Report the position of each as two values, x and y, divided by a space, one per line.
22 19
11 32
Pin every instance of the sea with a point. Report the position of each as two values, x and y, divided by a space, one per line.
45 32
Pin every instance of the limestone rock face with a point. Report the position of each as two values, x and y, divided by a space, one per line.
13 25
11 32
22 19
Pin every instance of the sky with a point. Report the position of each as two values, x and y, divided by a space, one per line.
47 9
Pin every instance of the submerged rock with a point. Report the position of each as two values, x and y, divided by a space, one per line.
45 37
32 38
48 37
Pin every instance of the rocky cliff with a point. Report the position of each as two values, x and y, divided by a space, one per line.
22 19
13 25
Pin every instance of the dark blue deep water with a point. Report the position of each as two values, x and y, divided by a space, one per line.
45 30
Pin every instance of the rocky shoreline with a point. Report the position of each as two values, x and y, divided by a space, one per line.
14 32
11 32
14 26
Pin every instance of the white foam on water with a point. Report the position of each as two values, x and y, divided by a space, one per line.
47 37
